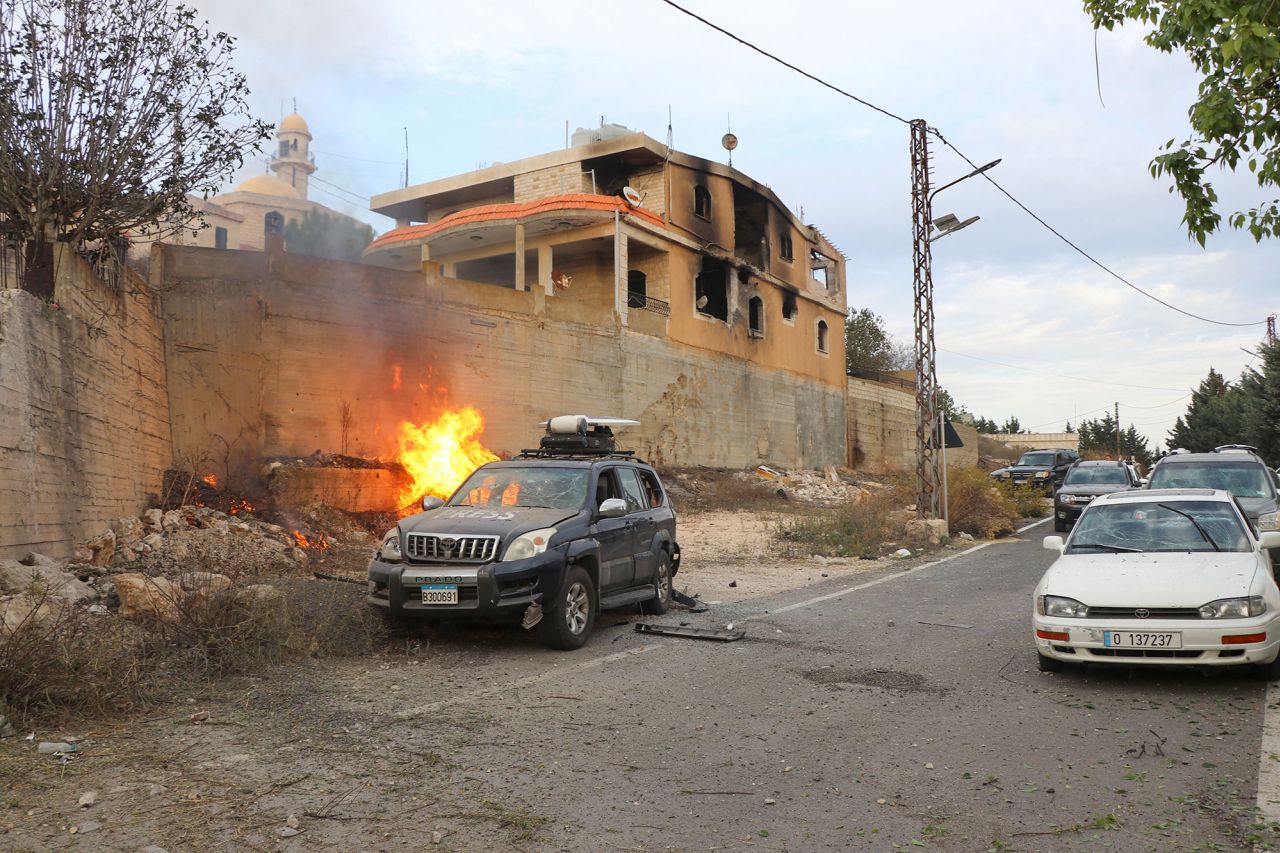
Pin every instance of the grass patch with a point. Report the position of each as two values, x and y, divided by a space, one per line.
710 489
983 507
62 660
861 528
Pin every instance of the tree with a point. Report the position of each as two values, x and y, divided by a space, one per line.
867 346
1068 428
1216 415
111 112
986 426
1098 439
1264 415
1235 47
323 236
950 408
1011 426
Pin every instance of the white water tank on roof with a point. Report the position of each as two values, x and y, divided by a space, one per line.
587 135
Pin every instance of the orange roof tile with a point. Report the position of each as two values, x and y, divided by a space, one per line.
515 210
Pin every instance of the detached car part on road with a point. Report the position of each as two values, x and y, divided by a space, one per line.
551 538
1161 577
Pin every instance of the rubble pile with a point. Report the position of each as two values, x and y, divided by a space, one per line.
822 488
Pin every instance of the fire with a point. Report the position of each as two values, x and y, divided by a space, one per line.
395 377
211 479
441 454
319 542
238 506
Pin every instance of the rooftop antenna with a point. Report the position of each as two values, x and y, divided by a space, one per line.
729 141
670 134
566 133
406 156
295 105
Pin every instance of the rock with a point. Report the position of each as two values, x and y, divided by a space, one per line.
87 799
928 765
173 520
931 530
733 583
99 610
902 552
49 747
43 580
154 541
128 530
205 582
291 821
156 598
151 848
82 554
101 549
153 520
34 559
769 801
289 832
259 594
199 717
6 727
156 790
18 610
87 826
966 537
298 555
275 546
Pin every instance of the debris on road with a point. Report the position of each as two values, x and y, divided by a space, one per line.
945 624
87 799
727 635
48 747
691 602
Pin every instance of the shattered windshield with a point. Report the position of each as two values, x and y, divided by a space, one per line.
1039 459
1171 525
1243 479
534 486
1097 476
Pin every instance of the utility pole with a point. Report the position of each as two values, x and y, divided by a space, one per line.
1119 458
927 485
1271 330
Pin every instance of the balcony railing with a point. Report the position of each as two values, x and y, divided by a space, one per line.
647 303
884 378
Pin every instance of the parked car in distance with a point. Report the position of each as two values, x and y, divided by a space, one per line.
1086 480
1044 468
1162 577
1234 468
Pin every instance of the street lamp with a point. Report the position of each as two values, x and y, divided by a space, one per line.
927 403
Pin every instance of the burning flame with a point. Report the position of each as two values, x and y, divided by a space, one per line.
440 455
210 479
395 377
238 506
319 542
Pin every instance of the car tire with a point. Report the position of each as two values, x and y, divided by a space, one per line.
568 621
661 601
1267 671
1059 525
1048 664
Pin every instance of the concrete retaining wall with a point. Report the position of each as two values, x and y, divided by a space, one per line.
882 431
84 425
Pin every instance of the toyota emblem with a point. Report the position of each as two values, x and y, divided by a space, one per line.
449 544
1142 613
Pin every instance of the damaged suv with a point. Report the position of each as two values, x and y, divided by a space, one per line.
549 538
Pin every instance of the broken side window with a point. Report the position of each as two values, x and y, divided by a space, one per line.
822 336
711 289
785 248
702 202
755 316
789 308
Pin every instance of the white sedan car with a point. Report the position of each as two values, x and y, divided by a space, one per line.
1160 576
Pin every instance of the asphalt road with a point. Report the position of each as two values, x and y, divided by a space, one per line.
895 711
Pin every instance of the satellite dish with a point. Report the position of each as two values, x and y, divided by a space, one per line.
729 141
632 195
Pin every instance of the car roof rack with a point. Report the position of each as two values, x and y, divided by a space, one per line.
1235 448
577 453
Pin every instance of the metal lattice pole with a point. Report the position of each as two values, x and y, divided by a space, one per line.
927 479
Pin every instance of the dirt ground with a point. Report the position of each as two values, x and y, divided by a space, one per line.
296 758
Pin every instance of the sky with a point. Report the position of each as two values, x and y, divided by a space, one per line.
1024 325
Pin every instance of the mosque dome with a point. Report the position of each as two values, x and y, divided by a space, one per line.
267 185
293 123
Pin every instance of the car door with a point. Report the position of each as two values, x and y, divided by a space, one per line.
615 535
641 517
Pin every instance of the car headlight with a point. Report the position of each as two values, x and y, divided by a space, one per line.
389 550
1040 475
1056 605
1234 608
529 544
1269 521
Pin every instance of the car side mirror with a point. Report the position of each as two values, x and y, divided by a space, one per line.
429 503
1142 482
1054 543
613 508
1269 539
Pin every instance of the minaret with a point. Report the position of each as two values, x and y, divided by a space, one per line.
293 163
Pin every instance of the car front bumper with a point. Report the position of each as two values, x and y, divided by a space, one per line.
1201 641
489 591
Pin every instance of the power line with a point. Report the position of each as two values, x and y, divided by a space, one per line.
358 159
1099 264
973 165
1058 375
781 61
352 193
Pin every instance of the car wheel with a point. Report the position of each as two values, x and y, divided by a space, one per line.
1268 671
1048 664
570 618
661 601
1059 525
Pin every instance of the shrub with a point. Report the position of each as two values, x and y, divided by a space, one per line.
980 506
864 527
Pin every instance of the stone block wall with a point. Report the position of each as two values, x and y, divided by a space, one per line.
882 428
557 180
84 424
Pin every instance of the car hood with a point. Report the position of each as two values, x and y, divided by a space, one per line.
465 520
1091 489
1174 579
1025 469
1253 507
